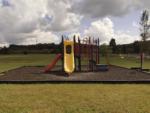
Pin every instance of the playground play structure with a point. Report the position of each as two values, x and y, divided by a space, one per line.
78 53
78 57
83 54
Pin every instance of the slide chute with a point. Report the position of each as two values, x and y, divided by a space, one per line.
69 65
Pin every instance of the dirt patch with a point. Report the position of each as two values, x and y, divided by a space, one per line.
115 73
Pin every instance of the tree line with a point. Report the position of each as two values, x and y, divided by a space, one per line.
31 49
132 48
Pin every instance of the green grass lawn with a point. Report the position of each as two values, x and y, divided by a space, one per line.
13 61
71 98
75 98
129 62
8 62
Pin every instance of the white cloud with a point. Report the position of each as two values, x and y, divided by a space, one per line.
104 29
103 8
62 19
74 34
23 18
125 38
39 36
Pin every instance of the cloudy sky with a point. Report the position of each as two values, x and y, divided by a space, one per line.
44 21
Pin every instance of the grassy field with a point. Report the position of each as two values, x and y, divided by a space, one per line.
127 62
71 98
75 98
13 61
8 62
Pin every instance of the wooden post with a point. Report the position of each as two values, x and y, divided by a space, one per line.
142 56
74 41
90 54
62 52
98 51
79 52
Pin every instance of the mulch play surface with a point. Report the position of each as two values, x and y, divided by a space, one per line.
34 74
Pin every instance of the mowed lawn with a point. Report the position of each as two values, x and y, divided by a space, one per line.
71 98
75 98
8 62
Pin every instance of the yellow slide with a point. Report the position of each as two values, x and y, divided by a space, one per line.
69 65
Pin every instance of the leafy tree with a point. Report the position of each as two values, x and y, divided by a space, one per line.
113 45
136 47
124 49
105 49
145 31
144 22
4 50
